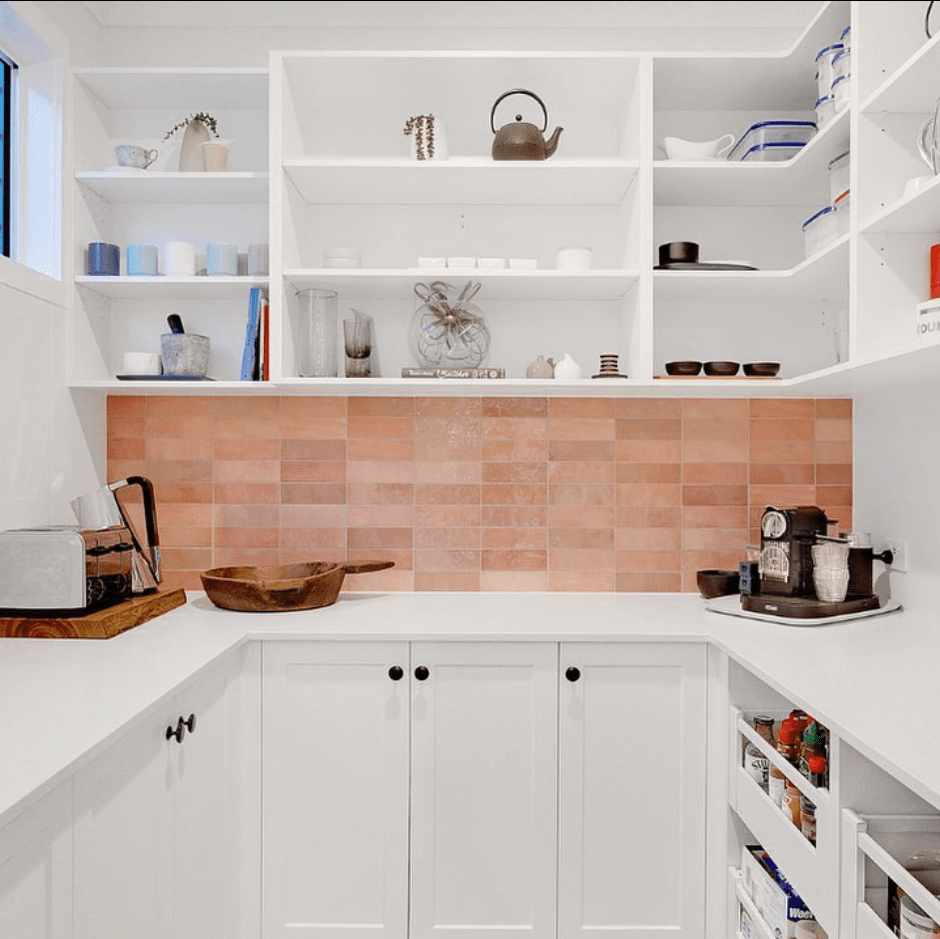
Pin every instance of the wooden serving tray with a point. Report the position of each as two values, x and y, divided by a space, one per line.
102 624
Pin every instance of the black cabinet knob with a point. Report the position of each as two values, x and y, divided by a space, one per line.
572 673
179 731
396 673
422 673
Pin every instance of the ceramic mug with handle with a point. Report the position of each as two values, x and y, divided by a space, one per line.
134 157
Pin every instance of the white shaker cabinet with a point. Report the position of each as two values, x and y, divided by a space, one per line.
380 758
483 802
36 870
632 790
162 825
335 765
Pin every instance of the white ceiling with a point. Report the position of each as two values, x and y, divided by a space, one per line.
746 14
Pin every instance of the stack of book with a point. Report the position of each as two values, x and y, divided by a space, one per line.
256 351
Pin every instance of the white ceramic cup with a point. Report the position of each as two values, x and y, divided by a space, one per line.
573 259
222 259
179 258
142 363
258 259
134 157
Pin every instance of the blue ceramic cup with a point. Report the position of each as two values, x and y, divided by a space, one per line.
142 259
104 259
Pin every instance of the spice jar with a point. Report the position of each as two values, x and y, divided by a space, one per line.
814 744
791 802
755 761
787 741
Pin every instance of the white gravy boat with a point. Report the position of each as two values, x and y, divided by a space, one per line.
678 149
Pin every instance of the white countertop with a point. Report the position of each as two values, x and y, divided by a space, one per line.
872 681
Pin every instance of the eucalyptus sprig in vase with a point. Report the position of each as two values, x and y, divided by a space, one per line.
428 137
198 128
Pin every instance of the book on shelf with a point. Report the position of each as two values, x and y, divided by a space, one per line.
435 372
249 369
264 342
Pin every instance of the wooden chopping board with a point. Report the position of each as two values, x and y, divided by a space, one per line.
102 624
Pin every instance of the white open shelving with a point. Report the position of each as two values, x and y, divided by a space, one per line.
331 122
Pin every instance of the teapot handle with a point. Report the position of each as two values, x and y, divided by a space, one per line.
518 91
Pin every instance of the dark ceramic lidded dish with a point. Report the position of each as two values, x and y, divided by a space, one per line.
715 583
761 369
684 368
722 369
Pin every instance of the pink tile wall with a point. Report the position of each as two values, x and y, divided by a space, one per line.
479 493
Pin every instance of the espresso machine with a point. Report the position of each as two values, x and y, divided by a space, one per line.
781 581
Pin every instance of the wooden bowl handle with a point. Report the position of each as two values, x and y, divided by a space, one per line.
365 567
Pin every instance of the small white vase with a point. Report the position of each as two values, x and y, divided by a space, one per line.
567 369
440 143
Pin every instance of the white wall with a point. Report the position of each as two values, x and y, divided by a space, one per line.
896 488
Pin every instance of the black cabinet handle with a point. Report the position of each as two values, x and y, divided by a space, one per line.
422 673
181 727
572 673
396 673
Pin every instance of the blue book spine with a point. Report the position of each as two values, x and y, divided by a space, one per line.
250 350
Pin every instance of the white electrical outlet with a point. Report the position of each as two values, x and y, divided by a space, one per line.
899 549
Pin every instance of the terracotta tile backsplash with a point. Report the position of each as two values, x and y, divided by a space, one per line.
479 493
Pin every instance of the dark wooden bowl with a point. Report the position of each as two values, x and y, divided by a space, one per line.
283 587
761 369
714 583
683 368
721 369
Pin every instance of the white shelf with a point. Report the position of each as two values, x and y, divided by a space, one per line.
823 276
142 187
749 82
171 288
178 88
912 88
461 180
918 213
803 180
503 284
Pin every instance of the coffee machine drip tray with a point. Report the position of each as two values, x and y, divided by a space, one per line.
799 611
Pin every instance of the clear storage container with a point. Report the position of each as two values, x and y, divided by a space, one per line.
841 88
819 230
838 175
842 206
842 64
825 110
824 75
793 133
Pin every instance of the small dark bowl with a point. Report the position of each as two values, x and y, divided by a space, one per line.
761 369
683 368
712 583
678 252
721 369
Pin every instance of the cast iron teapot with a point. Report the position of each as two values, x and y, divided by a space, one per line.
519 140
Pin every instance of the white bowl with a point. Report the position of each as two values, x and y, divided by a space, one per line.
523 264
432 262
459 261
491 263
678 149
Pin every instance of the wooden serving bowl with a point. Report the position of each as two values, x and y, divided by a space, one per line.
714 583
279 588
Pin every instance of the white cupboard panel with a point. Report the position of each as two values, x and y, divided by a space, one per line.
335 783
36 870
483 790
632 790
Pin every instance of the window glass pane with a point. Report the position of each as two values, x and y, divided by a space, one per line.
6 169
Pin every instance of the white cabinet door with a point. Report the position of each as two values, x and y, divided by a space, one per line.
36 870
483 802
335 782
123 835
632 790
159 824
217 876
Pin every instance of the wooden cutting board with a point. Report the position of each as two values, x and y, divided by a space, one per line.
102 624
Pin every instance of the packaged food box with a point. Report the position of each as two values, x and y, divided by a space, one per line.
767 136
776 901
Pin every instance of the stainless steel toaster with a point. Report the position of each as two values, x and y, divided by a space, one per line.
60 570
